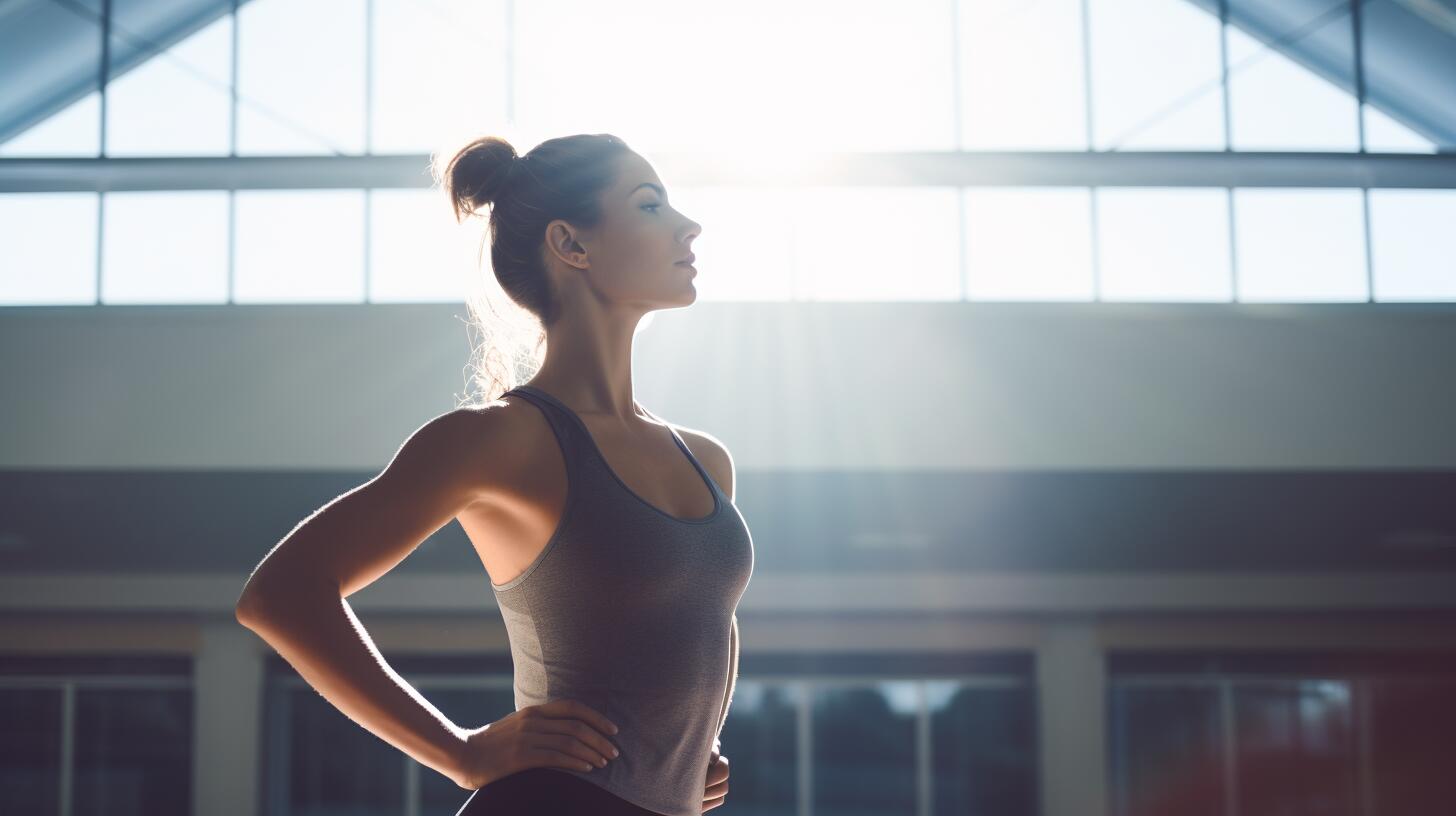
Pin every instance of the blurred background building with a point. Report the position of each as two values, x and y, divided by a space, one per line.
1089 368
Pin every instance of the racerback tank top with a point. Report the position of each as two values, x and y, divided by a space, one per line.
629 610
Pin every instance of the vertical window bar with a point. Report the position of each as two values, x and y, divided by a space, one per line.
1230 747
411 786
925 790
1096 248
103 78
68 744
1364 725
100 241
368 271
369 77
1357 33
1228 145
1223 24
233 86
105 67
1358 36
804 732
1087 72
1369 253
368 141
232 193
1233 249
232 249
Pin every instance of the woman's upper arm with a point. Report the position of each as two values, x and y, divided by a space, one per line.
443 467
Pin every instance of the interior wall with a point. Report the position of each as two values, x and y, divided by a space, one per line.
883 386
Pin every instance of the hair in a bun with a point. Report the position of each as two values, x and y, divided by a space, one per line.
559 179
478 174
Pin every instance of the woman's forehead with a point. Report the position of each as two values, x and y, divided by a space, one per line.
637 171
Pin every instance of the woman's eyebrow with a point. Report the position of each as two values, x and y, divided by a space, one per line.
659 190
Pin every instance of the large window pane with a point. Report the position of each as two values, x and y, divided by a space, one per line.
1156 76
746 249
73 131
1022 71
300 245
50 106
893 243
759 740
418 253
1164 244
1411 724
983 749
733 76
864 749
133 752
30 750
321 763
301 77
1277 103
47 248
1296 748
439 73
1300 245
1165 750
177 102
1371 739
1383 134
1028 244
1413 244
165 247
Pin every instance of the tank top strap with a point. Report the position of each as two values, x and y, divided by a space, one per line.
568 435
688 452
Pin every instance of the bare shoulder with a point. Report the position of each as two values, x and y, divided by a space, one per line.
477 446
714 455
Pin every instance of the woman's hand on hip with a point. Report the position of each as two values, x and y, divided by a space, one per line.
557 734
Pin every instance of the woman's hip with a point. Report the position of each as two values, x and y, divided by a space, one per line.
547 792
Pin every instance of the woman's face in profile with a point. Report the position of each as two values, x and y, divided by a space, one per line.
636 253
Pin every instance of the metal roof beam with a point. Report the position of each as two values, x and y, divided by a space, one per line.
915 169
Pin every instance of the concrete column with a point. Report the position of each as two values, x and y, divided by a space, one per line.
1072 718
227 720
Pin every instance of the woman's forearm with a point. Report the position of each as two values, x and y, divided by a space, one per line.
317 633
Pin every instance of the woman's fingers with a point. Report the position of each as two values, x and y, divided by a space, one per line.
568 743
578 732
561 759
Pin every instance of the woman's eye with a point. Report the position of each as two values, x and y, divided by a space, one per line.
654 206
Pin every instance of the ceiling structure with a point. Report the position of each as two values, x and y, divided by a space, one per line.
49 55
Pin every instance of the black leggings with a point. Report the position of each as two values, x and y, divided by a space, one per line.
546 791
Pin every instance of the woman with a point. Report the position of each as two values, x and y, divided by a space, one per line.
615 554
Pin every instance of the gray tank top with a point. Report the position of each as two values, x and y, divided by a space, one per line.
629 610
